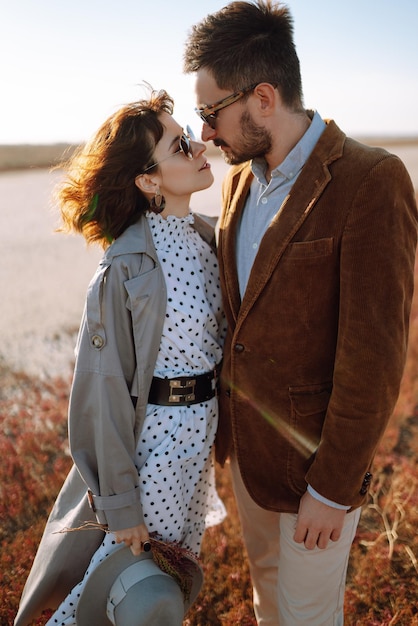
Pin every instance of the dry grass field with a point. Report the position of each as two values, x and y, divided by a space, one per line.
32 156
15 157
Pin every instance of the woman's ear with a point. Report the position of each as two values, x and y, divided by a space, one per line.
146 184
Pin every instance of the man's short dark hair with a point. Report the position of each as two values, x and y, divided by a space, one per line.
246 43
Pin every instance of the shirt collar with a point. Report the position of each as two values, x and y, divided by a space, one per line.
296 158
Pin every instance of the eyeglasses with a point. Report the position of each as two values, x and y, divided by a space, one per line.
184 146
208 113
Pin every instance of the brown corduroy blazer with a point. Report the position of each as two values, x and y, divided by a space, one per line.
316 349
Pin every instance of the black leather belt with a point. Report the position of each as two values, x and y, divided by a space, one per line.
183 390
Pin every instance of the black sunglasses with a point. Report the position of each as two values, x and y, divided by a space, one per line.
184 146
208 113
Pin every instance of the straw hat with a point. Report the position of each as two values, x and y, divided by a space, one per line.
136 592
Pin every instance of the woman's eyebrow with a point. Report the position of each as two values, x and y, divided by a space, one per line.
175 141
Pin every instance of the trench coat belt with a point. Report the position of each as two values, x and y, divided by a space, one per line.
184 390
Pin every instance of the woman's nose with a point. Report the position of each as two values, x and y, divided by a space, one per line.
198 147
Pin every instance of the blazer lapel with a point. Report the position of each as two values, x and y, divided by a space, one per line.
290 216
227 241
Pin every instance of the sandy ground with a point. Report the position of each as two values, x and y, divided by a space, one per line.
44 274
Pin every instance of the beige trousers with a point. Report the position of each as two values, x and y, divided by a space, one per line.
292 586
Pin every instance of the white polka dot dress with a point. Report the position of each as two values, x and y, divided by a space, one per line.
174 451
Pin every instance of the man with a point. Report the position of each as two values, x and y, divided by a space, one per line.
316 247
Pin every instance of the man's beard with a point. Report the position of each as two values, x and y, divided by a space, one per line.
255 142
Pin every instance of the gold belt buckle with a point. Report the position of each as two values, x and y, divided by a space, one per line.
182 397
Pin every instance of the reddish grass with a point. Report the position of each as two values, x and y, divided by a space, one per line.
382 577
382 580
382 586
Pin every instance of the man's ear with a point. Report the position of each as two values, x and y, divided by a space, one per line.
146 184
266 97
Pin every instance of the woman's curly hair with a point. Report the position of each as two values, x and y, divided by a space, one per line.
98 196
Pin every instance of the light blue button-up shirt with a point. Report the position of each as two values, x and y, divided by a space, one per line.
266 198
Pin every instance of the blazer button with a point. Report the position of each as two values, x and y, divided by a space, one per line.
366 483
239 347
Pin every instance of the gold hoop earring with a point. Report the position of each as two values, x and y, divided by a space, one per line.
157 204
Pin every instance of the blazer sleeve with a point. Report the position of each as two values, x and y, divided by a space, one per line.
102 419
376 286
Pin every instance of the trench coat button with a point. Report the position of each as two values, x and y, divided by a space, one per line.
97 341
239 347
228 393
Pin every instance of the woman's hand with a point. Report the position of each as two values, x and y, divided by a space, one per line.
133 537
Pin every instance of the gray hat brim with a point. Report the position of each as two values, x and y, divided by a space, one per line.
92 604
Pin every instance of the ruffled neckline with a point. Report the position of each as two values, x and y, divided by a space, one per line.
169 229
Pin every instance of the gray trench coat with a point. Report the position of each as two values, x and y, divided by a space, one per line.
116 352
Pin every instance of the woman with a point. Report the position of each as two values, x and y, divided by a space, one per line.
143 406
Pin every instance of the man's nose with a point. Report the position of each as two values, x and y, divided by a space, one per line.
208 133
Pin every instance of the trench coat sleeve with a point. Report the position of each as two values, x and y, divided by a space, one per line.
116 352
103 422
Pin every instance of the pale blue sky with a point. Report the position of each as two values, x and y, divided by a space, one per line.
65 66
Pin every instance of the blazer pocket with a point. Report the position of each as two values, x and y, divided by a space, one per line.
308 406
310 249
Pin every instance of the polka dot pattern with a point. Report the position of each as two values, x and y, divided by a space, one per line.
193 327
174 451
